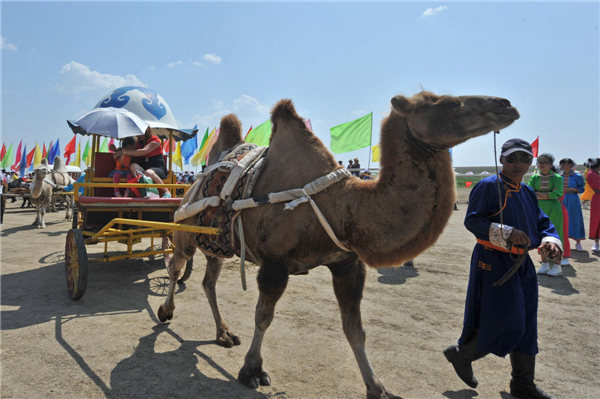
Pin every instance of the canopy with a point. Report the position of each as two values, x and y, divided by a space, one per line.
148 105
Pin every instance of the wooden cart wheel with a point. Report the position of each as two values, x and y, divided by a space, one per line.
186 272
76 264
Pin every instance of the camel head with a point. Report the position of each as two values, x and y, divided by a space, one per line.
445 121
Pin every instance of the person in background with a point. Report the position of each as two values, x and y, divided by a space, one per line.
80 179
593 180
356 165
123 164
573 186
3 190
366 175
340 163
548 187
586 197
502 319
350 164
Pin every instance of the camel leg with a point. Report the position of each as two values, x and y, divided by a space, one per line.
70 201
272 280
38 206
348 284
42 224
181 255
53 204
213 269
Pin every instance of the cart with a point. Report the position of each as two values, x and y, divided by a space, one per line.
100 218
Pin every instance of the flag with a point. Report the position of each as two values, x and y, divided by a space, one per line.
353 135
211 143
376 153
246 136
535 146
49 149
104 146
44 152
87 154
200 157
18 160
308 124
54 151
23 164
188 148
260 135
7 160
70 149
468 184
3 151
37 156
167 147
177 155
111 142
77 160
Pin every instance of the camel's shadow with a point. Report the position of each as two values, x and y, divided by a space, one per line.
462 394
397 275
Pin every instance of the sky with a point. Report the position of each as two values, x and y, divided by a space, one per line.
336 61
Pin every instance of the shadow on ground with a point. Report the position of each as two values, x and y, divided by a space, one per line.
397 275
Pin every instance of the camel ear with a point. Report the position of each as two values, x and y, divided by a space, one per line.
402 105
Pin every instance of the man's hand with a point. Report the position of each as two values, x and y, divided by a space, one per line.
517 237
552 251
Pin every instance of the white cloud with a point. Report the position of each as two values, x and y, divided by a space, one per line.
172 64
217 104
198 63
8 46
211 120
432 11
360 112
152 67
249 106
77 77
215 59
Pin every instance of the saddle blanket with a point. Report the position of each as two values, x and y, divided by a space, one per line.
223 216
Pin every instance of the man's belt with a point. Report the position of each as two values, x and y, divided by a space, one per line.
513 250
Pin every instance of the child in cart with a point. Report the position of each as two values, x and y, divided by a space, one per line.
123 164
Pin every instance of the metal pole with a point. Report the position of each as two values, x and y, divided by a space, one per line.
370 145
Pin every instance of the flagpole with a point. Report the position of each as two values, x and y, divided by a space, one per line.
370 145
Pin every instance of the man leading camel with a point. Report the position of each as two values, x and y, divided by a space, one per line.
502 319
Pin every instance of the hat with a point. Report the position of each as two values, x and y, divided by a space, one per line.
356 159
366 171
514 145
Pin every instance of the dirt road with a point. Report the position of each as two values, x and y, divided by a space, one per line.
110 343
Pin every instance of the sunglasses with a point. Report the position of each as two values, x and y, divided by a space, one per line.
513 158
543 163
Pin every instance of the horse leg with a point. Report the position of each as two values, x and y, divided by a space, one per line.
348 285
272 280
213 269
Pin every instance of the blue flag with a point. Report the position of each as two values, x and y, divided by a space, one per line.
188 148
23 165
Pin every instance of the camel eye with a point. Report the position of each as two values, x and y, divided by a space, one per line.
453 105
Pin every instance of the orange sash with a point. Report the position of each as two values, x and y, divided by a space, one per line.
489 245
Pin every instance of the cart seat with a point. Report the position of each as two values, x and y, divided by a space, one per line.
122 202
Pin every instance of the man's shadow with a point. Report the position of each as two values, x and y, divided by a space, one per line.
560 285
397 275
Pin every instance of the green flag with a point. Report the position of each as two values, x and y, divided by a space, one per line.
202 145
260 135
86 152
353 135
7 160
104 146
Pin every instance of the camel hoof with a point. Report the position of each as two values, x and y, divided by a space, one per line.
253 378
384 395
228 340
42 226
163 315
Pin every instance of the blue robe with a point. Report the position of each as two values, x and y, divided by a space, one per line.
573 204
504 316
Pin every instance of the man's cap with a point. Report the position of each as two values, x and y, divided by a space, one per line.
356 159
366 171
514 145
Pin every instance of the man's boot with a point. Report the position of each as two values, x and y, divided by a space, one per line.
523 373
461 356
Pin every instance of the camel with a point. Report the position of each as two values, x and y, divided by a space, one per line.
42 189
383 222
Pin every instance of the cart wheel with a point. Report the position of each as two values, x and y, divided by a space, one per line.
76 264
186 272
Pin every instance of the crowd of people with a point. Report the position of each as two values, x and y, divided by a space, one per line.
354 167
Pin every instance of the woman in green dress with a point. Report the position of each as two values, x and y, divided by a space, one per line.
548 187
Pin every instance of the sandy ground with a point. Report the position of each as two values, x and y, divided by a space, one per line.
110 343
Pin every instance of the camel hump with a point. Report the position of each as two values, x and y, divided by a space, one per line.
59 165
231 126
284 111
44 164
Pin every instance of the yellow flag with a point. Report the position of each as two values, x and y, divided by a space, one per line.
201 154
37 156
177 155
376 153
77 159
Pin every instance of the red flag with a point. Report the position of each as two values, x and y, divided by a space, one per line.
535 145
3 151
111 142
468 184
30 157
18 161
70 149
44 153
248 133
166 146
